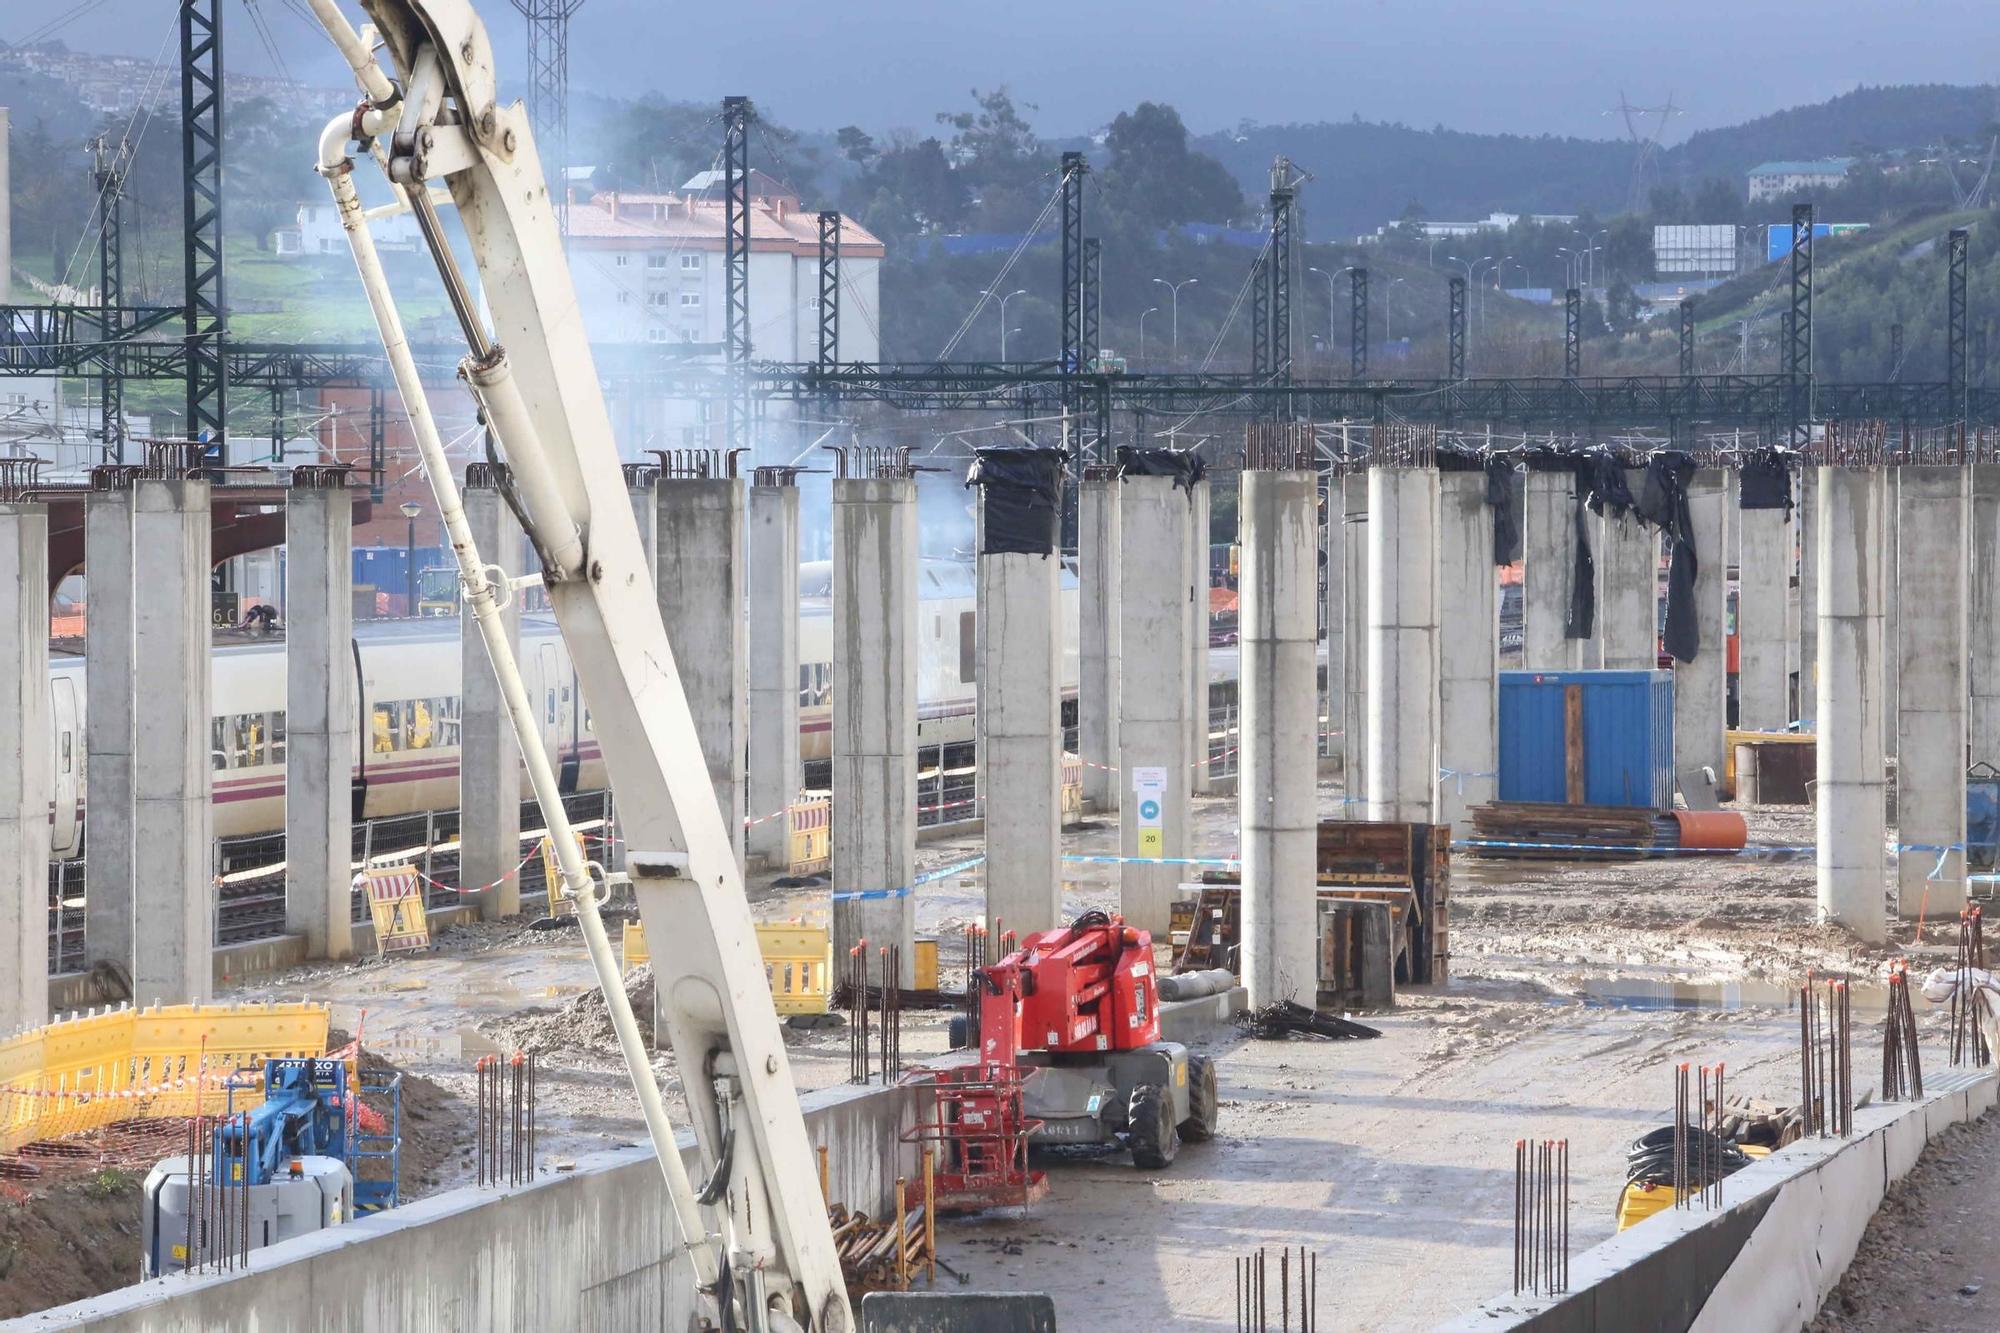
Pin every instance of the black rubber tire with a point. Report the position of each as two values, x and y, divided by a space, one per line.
956 1035
1149 1127
1204 1105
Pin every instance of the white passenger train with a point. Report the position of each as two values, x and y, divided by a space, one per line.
408 709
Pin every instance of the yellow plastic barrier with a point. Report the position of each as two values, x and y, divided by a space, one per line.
812 835
396 905
926 964
632 948
799 962
559 903
99 1068
1072 789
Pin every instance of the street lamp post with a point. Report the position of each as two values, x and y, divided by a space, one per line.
1154 310
1481 289
1591 279
1332 302
1019 291
411 509
1175 288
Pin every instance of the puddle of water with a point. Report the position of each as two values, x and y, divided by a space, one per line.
1650 994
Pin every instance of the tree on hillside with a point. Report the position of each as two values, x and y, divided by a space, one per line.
1153 176
1004 164
909 189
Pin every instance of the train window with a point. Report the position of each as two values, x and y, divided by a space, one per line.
968 647
68 744
246 734
384 727
805 684
218 754
277 746
421 730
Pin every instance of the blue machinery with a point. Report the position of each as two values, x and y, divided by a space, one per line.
308 1111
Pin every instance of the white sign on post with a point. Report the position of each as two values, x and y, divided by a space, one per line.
1149 792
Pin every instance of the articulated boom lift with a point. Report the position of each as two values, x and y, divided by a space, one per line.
756 1229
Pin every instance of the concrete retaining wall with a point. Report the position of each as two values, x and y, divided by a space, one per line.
1768 1257
584 1250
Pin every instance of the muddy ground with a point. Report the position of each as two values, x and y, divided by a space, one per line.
1575 988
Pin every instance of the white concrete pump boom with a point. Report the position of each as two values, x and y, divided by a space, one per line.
756 1231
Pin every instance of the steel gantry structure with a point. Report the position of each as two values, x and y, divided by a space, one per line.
206 315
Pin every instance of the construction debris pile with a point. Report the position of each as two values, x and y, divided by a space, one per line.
581 1023
883 1255
1285 1018
1554 831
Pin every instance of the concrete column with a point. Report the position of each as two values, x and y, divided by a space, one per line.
1628 588
1155 581
1333 615
173 828
698 574
1983 617
1354 636
1278 796
1402 644
774 666
642 483
875 715
1763 582
1847 529
108 674
26 776
320 707
1806 668
1549 572
1020 723
1468 650
1892 663
1931 703
1197 681
1701 687
489 763
1097 640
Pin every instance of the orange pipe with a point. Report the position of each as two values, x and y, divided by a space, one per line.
1712 830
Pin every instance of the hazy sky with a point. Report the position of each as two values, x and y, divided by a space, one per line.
1528 66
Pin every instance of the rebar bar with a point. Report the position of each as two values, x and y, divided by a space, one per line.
1541 1216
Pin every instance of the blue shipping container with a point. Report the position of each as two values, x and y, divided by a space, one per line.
1628 736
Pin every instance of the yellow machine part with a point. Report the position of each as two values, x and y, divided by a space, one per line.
1636 1203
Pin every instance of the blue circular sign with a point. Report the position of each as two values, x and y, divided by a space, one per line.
1149 809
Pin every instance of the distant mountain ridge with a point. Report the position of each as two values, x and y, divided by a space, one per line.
1366 172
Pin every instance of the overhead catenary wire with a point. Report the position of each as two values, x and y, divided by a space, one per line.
1013 257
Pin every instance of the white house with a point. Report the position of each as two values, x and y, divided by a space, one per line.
319 233
1780 180
649 269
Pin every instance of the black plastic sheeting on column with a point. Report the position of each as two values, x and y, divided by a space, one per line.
1503 496
1185 468
1582 620
1021 499
1766 481
1663 502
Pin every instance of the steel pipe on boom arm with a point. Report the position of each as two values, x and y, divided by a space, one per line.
756 1231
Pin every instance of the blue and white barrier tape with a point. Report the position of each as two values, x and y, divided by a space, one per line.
882 895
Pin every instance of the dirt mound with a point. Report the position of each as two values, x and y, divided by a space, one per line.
580 1025
433 1123
79 1238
